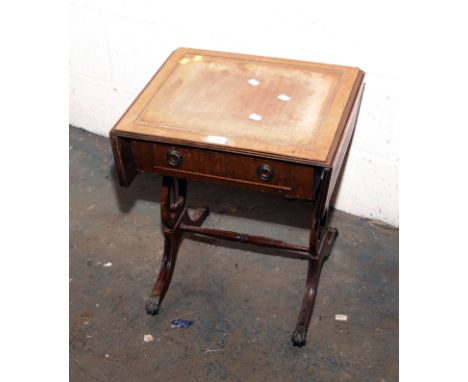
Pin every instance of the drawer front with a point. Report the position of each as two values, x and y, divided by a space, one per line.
242 170
221 165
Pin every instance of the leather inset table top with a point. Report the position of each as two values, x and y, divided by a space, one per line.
290 109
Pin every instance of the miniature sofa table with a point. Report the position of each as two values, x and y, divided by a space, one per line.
269 124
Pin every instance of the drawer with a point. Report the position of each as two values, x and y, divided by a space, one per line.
234 169
221 165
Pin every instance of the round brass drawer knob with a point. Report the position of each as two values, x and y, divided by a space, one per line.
174 158
265 172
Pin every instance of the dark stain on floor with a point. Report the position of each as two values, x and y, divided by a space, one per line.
244 304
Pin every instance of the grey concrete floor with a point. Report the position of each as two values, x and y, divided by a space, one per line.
244 304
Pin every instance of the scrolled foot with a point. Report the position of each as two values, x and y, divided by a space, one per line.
197 217
299 336
152 305
201 215
331 235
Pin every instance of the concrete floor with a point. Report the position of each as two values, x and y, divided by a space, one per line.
244 305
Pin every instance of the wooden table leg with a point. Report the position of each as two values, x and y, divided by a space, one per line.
313 275
171 246
173 214
321 243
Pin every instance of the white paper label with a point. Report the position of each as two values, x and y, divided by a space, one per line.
341 317
255 117
216 139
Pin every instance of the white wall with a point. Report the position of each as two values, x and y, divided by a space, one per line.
117 45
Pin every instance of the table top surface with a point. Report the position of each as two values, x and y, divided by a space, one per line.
289 109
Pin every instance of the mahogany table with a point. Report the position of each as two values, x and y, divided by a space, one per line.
269 124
